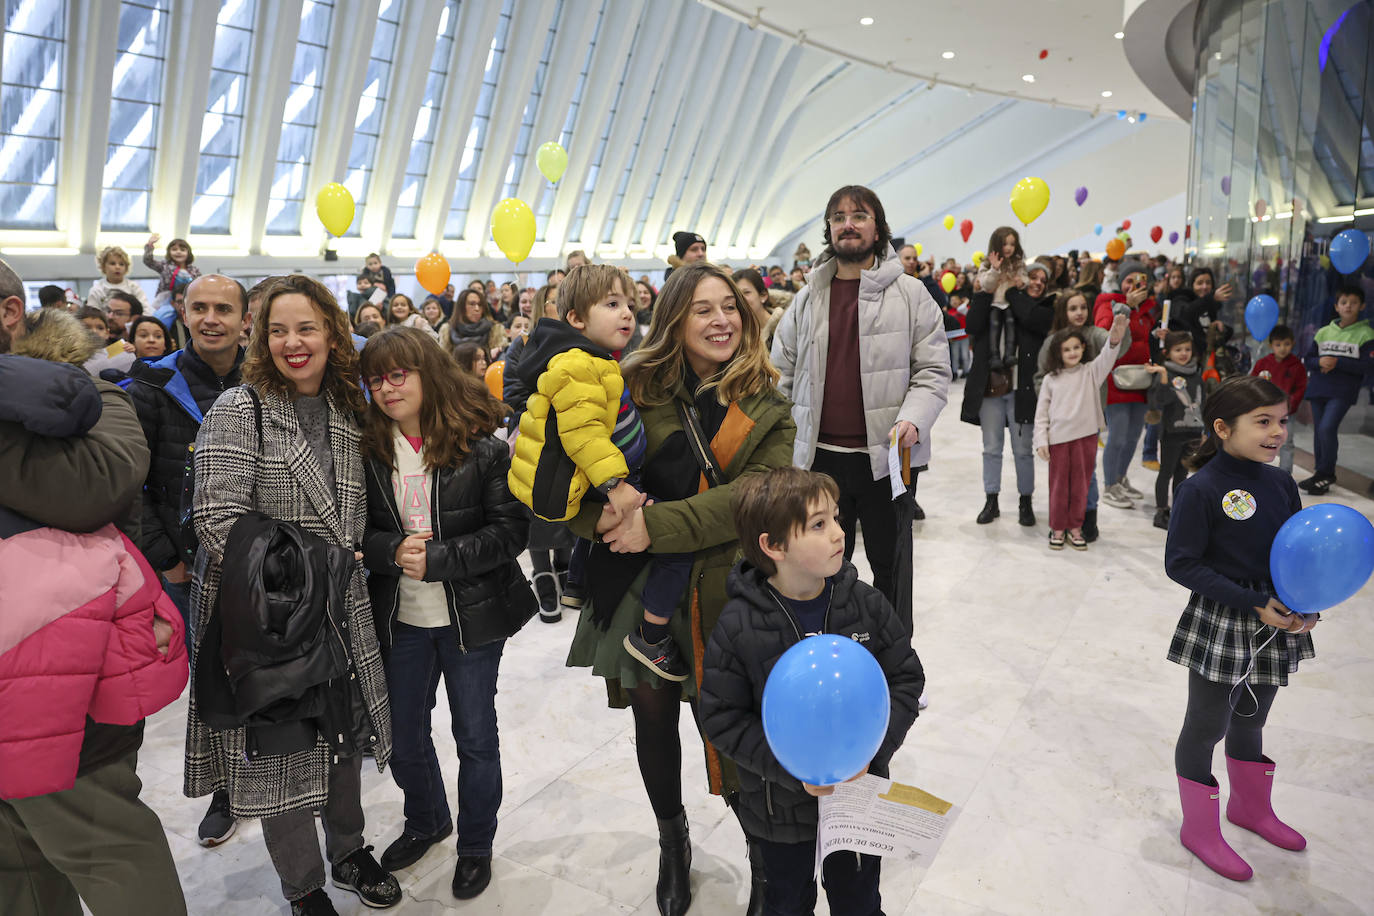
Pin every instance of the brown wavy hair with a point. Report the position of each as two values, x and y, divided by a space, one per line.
341 369
657 369
1061 308
455 409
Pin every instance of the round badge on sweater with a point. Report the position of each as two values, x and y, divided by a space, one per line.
1180 383
1266 375
1238 504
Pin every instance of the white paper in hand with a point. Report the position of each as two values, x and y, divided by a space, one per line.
894 465
879 817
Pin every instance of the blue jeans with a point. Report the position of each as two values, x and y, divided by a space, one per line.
995 415
1092 488
180 593
1327 414
959 359
416 659
1150 452
1124 422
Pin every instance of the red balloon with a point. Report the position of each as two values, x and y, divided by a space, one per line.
966 229
1044 54
1125 224
1187 232
1156 234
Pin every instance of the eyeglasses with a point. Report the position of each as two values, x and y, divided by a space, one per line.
396 377
858 218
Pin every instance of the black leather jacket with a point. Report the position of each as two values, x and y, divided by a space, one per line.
276 656
479 530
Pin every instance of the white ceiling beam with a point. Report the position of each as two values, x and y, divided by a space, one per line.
345 74
670 98
89 59
415 41
269 83
472 37
629 114
616 33
190 43
723 99
565 65
529 28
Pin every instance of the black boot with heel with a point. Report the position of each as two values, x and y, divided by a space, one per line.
990 510
674 890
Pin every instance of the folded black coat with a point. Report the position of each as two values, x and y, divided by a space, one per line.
279 637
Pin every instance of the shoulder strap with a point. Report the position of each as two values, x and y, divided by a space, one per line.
696 440
257 412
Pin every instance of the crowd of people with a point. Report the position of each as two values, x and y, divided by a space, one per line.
315 510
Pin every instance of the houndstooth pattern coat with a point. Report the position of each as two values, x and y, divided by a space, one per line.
281 478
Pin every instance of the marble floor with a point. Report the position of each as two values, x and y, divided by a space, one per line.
1052 719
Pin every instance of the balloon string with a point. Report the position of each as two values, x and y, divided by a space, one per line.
1249 670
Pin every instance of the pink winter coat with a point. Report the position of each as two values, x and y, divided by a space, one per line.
76 639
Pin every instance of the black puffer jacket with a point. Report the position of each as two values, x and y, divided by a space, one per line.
1032 319
752 634
171 397
479 530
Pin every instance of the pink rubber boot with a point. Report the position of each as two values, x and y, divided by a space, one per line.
1201 833
1249 805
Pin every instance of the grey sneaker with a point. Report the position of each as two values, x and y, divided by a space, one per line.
1132 492
662 657
1116 497
218 824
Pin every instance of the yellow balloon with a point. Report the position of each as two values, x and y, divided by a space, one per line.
552 160
978 258
949 222
918 248
948 281
335 207
1029 199
512 227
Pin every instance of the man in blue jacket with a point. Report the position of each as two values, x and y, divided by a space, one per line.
172 396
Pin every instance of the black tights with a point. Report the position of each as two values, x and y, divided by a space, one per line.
1210 718
658 746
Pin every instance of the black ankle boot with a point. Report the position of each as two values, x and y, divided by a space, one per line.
1090 525
990 510
674 891
1026 515
757 880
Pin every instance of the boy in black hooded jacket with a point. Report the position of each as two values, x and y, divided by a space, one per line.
795 582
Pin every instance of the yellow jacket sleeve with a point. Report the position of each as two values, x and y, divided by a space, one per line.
585 394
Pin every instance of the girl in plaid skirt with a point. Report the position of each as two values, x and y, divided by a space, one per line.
1236 638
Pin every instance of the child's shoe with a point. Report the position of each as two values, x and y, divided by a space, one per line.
1162 519
573 597
546 587
1090 532
1076 540
1150 464
662 656
1056 540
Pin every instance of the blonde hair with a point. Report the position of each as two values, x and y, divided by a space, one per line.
588 284
341 373
108 252
656 370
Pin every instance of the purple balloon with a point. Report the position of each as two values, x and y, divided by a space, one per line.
1080 195
1226 185
1173 238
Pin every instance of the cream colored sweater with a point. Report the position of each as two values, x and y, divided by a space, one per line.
1070 407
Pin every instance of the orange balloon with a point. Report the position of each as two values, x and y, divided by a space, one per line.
496 379
1115 249
433 272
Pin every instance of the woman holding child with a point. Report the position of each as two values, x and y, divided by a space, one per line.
702 363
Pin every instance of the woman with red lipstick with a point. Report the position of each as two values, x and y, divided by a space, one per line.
443 532
287 444
701 375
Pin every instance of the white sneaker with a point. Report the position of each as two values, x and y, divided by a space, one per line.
1116 497
1132 492
922 703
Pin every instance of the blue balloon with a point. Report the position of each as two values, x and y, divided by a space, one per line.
825 709
1349 250
1261 314
1097 229
1321 556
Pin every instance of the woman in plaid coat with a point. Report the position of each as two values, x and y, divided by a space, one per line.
303 464
1236 638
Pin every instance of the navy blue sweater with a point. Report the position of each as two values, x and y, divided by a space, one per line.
1223 525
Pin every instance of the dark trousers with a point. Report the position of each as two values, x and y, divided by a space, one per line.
851 881
417 658
1071 471
550 571
95 842
664 585
1327 414
1172 473
1217 711
293 843
886 523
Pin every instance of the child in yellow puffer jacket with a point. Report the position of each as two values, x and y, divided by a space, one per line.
581 432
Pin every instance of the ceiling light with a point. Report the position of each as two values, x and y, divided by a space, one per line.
1130 119
1106 93
24 250
1324 219
1119 35
948 55
1269 240
867 20
1028 77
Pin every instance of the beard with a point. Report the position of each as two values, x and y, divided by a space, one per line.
853 255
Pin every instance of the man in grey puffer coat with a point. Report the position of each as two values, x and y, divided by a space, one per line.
864 358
